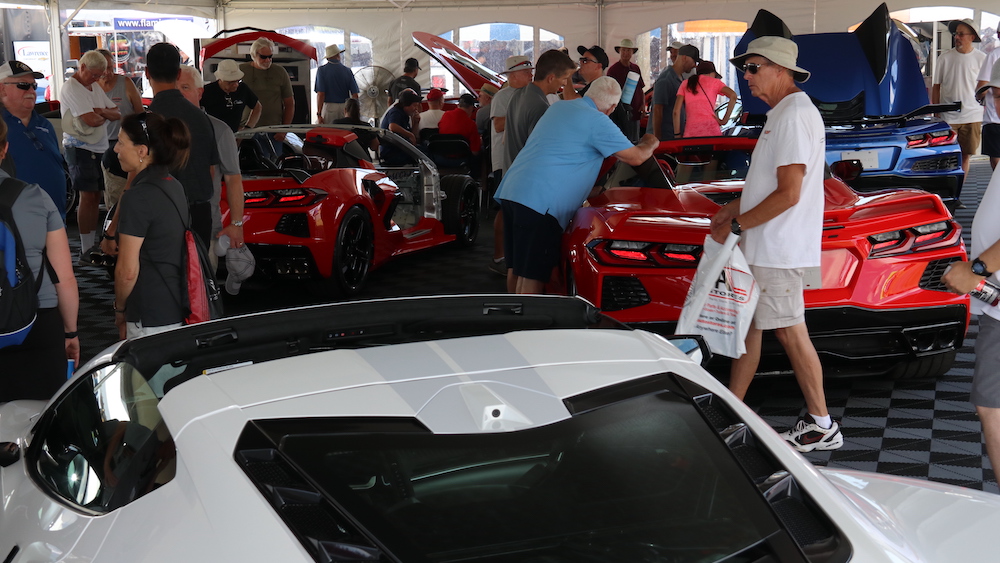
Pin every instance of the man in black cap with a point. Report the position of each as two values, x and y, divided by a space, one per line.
407 80
401 119
593 62
665 92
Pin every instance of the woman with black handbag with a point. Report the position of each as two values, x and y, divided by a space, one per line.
149 275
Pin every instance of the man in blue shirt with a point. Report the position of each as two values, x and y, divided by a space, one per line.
32 139
401 120
334 85
552 176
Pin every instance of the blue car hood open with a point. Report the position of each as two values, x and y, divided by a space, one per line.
872 72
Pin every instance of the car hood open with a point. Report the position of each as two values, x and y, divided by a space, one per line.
470 72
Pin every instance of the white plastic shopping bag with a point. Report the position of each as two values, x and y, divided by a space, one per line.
722 298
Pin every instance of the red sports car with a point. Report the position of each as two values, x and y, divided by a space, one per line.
322 209
882 309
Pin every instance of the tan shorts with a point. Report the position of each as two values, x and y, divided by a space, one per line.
781 301
969 136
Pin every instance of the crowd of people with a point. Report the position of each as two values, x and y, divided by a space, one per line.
541 138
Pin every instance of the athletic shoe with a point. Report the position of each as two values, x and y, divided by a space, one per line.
807 436
498 266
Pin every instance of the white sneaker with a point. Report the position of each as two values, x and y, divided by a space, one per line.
807 436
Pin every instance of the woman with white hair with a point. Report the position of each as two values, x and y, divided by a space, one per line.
271 84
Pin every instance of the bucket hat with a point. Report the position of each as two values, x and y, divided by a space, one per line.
780 51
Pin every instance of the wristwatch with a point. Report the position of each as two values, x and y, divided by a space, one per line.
979 268
236 223
735 227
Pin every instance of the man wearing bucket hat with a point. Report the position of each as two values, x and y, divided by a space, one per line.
334 85
780 216
619 71
964 277
228 96
955 81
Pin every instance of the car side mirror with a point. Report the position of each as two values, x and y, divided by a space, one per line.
847 170
10 453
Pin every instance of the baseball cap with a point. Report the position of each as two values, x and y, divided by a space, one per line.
240 264
690 51
17 68
598 53
408 97
676 45
434 94
489 89
780 51
229 71
411 65
518 62
467 100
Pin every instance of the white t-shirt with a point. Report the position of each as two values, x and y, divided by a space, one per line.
985 233
76 100
793 134
989 108
956 73
498 108
429 119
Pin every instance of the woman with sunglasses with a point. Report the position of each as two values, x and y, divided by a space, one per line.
149 283
697 97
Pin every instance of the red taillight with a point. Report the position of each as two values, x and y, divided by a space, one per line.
935 139
915 239
293 197
644 254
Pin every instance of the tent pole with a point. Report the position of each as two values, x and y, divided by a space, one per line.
220 15
600 22
55 47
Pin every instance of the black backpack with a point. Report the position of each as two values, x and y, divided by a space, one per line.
18 287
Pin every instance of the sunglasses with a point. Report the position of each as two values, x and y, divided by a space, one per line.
23 85
145 129
752 68
271 56
585 60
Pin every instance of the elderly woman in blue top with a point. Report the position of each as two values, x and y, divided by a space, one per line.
553 175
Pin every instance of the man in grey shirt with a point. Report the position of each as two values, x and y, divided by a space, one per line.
527 104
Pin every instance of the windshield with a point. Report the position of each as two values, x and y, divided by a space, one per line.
642 479
710 165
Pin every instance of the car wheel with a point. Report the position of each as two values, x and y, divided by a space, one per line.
461 208
924 368
355 249
72 198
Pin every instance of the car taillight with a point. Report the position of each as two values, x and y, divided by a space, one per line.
291 197
915 239
933 139
644 254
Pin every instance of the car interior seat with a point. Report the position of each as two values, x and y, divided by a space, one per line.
449 151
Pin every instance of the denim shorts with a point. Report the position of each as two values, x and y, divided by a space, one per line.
85 169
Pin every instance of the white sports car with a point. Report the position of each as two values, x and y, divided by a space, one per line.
486 428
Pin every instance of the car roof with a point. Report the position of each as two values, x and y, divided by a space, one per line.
466 385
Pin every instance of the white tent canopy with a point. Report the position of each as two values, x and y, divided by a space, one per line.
389 23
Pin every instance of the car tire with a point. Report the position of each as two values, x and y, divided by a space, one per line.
461 208
924 368
354 251
72 198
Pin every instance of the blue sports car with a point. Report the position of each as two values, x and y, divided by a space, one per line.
867 84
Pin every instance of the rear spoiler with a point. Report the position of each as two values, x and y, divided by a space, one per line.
757 119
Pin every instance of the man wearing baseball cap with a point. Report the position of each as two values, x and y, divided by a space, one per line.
402 118
964 277
430 118
665 92
228 96
334 85
780 217
31 138
593 62
408 80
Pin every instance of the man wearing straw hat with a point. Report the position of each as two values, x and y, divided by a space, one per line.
334 85
619 71
780 216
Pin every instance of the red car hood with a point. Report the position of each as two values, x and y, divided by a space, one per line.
470 72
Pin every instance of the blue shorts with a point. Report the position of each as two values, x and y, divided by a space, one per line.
532 242
85 169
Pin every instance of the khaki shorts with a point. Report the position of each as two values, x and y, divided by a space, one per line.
969 136
781 303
